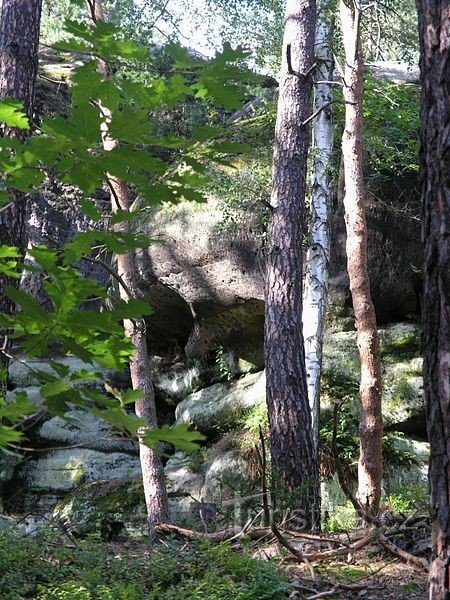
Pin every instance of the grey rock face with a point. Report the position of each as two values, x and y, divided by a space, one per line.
42 481
83 428
204 282
220 405
403 401
222 480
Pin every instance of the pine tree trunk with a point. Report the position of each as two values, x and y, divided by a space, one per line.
19 41
294 462
371 425
151 462
318 254
434 33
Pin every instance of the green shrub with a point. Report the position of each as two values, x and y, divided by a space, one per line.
408 498
343 518
43 569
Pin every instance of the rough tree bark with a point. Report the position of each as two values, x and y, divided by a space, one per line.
19 41
371 425
318 253
294 461
141 379
434 34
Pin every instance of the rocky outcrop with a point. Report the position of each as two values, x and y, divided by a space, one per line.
204 282
220 406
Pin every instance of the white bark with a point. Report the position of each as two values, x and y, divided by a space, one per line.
318 254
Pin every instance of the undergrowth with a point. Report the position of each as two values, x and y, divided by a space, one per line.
45 569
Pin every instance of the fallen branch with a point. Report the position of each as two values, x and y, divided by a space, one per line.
224 535
416 561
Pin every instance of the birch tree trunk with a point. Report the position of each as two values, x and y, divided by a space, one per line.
294 461
19 42
434 34
371 426
151 462
318 254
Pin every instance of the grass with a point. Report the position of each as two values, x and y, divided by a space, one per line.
46 569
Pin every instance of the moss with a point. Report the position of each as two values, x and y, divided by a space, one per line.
102 506
399 349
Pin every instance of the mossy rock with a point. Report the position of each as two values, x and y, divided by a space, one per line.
111 509
403 403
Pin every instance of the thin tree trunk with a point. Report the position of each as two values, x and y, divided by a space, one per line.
294 461
318 254
19 42
434 34
371 425
151 461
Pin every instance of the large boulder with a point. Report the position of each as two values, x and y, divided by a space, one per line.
403 400
220 406
39 482
204 282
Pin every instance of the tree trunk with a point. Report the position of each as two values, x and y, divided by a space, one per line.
294 461
19 41
151 462
318 254
371 425
434 33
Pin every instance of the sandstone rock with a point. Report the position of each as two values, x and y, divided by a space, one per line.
21 374
220 406
83 428
403 402
39 483
111 508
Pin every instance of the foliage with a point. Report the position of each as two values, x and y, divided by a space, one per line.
224 368
342 390
44 569
343 518
71 150
391 117
391 122
389 31
408 498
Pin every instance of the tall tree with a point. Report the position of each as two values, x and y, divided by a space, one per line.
318 253
371 425
19 41
151 461
294 461
434 34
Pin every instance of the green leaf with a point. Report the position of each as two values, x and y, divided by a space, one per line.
132 309
178 435
9 252
27 303
206 132
55 388
119 418
89 209
228 147
18 408
12 114
130 125
9 435
61 370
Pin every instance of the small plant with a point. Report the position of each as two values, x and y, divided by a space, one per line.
224 364
408 498
45 569
343 518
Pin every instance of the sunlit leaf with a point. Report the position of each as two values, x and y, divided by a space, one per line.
12 114
178 435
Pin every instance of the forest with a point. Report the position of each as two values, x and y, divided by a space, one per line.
224 292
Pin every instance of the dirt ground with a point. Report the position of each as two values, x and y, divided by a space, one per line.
368 578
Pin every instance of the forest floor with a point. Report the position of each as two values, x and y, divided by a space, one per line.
52 566
369 576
